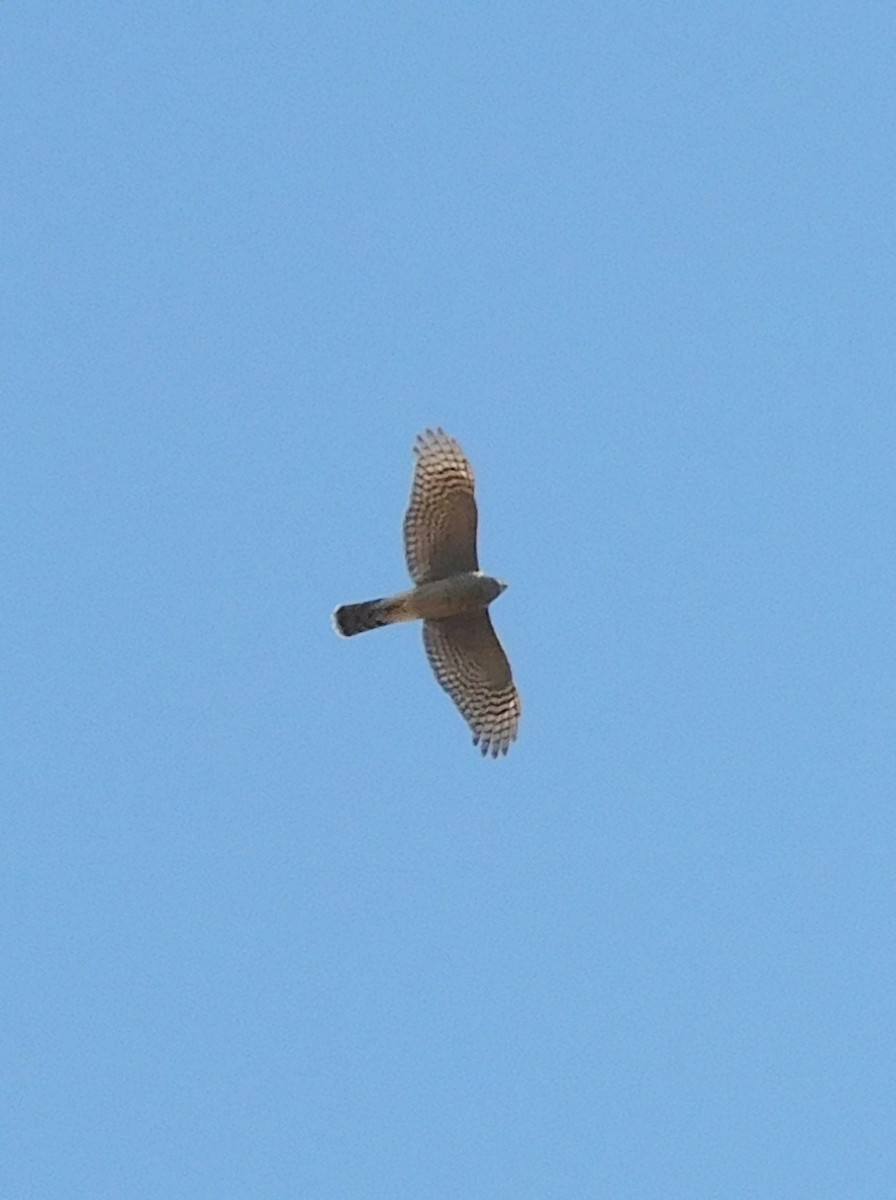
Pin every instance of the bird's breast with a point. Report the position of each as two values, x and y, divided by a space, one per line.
449 597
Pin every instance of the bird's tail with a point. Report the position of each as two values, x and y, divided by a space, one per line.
350 619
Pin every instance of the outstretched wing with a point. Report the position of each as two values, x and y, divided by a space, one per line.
470 664
440 524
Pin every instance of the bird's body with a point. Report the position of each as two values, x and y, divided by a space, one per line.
431 601
451 595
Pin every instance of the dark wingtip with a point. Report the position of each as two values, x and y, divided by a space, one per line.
429 435
493 748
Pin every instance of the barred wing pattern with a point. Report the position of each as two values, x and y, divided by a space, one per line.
470 664
440 524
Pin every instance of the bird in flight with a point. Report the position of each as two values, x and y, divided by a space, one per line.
450 595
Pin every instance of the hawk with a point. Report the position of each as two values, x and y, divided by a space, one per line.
450 595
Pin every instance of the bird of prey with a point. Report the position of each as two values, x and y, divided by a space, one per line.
450 595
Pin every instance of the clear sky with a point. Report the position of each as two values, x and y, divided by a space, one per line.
270 925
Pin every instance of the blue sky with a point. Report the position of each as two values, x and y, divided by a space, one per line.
270 926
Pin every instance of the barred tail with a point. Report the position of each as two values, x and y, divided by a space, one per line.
358 618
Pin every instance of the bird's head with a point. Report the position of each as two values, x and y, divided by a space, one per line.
491 588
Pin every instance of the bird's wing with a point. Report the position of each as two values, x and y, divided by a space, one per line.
440 524
470 664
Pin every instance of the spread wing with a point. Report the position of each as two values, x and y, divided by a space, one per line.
440 524
470 664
